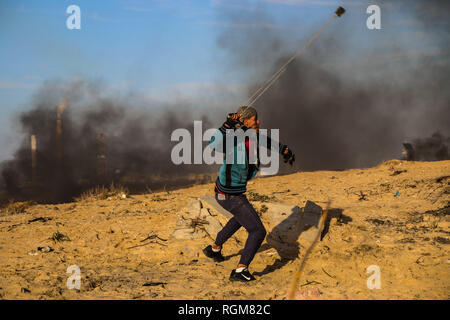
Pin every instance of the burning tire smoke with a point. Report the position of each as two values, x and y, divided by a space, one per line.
339 106
95 140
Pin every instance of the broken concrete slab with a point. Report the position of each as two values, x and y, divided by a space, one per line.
213 224
183 234
213 227
199 211
194 207
278 212
284 231
188 233
211 202
184 229
204 212
311 221
288 225
294 227
312 213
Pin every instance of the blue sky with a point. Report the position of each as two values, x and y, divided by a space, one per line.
130 44
118 41
153 46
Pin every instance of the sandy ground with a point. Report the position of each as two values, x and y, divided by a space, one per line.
406 236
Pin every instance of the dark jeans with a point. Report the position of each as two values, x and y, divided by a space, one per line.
245 216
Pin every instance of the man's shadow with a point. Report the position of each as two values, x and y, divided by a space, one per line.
285 235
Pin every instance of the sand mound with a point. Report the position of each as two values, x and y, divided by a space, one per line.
394 216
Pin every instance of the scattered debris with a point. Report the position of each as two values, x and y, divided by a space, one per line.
158 198
141 245
424 260
198 222
397 172
324 250
58 236
154 284
441 240
285 191
363 248
362 196
309 282
379 222
331 276
406 240
45 249
40 219
153 236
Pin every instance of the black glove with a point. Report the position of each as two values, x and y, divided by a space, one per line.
233 121
288 155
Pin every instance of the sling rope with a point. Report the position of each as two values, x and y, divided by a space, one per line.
258 93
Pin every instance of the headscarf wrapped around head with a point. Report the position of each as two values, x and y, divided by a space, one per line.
246 112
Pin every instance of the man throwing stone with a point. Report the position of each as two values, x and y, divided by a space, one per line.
230 191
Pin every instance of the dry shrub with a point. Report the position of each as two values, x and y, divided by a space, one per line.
58 236
16 207
102 193
254 196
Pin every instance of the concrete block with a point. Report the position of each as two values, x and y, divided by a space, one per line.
210 202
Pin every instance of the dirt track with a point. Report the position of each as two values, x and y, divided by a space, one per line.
406 235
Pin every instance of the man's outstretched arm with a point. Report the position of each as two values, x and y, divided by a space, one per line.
286 153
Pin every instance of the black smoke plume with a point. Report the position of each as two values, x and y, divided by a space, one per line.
105 139
340 105
432 148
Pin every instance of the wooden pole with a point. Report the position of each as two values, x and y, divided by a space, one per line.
59 143
101 158
33 158
294 285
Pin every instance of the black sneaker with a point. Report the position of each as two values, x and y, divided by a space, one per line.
217 256
244 276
